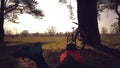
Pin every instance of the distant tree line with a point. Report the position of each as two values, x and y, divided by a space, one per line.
114 29
50 31
25 33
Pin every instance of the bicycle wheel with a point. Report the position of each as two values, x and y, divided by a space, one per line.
82 39
77 40
69 38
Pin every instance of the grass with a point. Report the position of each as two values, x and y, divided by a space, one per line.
111 41
54 46
54 43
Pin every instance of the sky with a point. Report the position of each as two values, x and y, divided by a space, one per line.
107 18
56 15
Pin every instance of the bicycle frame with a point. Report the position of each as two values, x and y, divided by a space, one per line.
77 33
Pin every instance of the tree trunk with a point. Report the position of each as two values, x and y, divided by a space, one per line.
117 12
119 23
2 21
87 18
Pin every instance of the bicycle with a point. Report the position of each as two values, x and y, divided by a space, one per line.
76 36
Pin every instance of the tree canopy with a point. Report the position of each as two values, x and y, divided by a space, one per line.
9 9
15 7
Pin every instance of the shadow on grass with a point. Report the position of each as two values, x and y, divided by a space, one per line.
95 59
92 58
47 42
7 46
117 44
5 43
108 50
111 43
21 42
13 47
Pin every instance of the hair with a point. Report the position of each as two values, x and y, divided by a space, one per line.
71 47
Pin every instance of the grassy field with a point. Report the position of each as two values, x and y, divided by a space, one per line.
53 43
111 41
54 46
59 42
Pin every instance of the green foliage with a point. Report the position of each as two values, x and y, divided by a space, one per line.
15 7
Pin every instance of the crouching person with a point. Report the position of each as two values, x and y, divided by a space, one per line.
70 58
34 53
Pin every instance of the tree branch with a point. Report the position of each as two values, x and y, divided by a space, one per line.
116 9
12 7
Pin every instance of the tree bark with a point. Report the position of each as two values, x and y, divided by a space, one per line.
2 22
87 18
119 23
117 12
